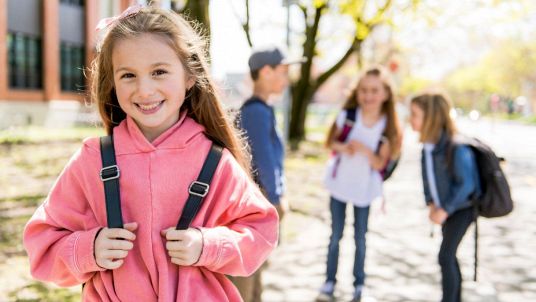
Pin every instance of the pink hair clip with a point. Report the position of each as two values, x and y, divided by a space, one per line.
131 10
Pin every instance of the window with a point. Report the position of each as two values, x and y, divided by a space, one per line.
73 2
25 68
72 66
72 45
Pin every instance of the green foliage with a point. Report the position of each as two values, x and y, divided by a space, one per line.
357 10
531 120
319 3
412 85
504 71
352 7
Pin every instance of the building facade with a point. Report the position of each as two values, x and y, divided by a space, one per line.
45 46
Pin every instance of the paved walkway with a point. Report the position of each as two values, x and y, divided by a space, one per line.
401 259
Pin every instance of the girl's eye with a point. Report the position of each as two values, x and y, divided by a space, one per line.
159 72
127 76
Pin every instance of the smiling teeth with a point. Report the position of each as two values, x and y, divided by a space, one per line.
149 107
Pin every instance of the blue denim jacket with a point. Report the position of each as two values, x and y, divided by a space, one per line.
457 184
257 119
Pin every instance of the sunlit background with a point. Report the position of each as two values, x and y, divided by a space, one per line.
482 53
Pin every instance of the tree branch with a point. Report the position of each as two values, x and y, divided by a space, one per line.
311 33
245 24
328 73
303 8
379 14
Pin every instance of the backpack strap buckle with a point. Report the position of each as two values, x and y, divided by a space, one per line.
109 173
198 188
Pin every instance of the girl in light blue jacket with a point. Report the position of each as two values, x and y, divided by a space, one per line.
450 180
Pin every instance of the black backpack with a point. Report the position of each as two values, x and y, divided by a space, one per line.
496 199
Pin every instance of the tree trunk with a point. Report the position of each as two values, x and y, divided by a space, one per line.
302 93
304 90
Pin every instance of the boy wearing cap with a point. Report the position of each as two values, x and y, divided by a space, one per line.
269 71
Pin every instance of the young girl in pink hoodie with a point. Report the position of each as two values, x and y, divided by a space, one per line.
152 86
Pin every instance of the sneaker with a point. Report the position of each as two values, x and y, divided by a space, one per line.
326 292
358 293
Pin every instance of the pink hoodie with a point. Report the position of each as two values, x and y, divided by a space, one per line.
239 225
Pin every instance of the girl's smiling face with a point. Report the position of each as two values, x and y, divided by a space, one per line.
371 93
150 82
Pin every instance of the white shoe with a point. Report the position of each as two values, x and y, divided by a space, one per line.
326 292
358 293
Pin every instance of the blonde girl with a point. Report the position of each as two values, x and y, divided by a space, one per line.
450 179
353 177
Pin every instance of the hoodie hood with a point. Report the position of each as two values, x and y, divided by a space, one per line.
129 139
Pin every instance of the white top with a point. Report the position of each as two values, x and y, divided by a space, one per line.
355 181
430 175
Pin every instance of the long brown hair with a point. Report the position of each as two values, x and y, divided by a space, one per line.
392 128
436 121
202 103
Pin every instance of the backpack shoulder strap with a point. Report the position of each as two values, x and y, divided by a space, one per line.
199 188
351 117
109 175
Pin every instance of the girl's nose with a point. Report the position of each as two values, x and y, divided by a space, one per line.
146 88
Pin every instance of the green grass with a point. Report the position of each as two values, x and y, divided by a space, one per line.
515 117
25 200
37 291
42 168
529 120
40 160
11 235
35 134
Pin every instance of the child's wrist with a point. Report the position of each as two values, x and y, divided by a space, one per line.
94 241
202 245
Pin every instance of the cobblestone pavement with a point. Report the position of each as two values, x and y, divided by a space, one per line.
401 261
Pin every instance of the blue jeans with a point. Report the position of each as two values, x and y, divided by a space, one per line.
338 216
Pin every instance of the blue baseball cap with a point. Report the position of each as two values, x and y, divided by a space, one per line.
272 56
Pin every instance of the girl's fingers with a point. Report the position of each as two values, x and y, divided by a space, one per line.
120 234
179 261
172 234
110 264
175 245
131 226
177 254
119 245
115 254
113 264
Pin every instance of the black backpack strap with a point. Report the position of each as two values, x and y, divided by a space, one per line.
109 175
199 188
476 244
349 122
351 115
